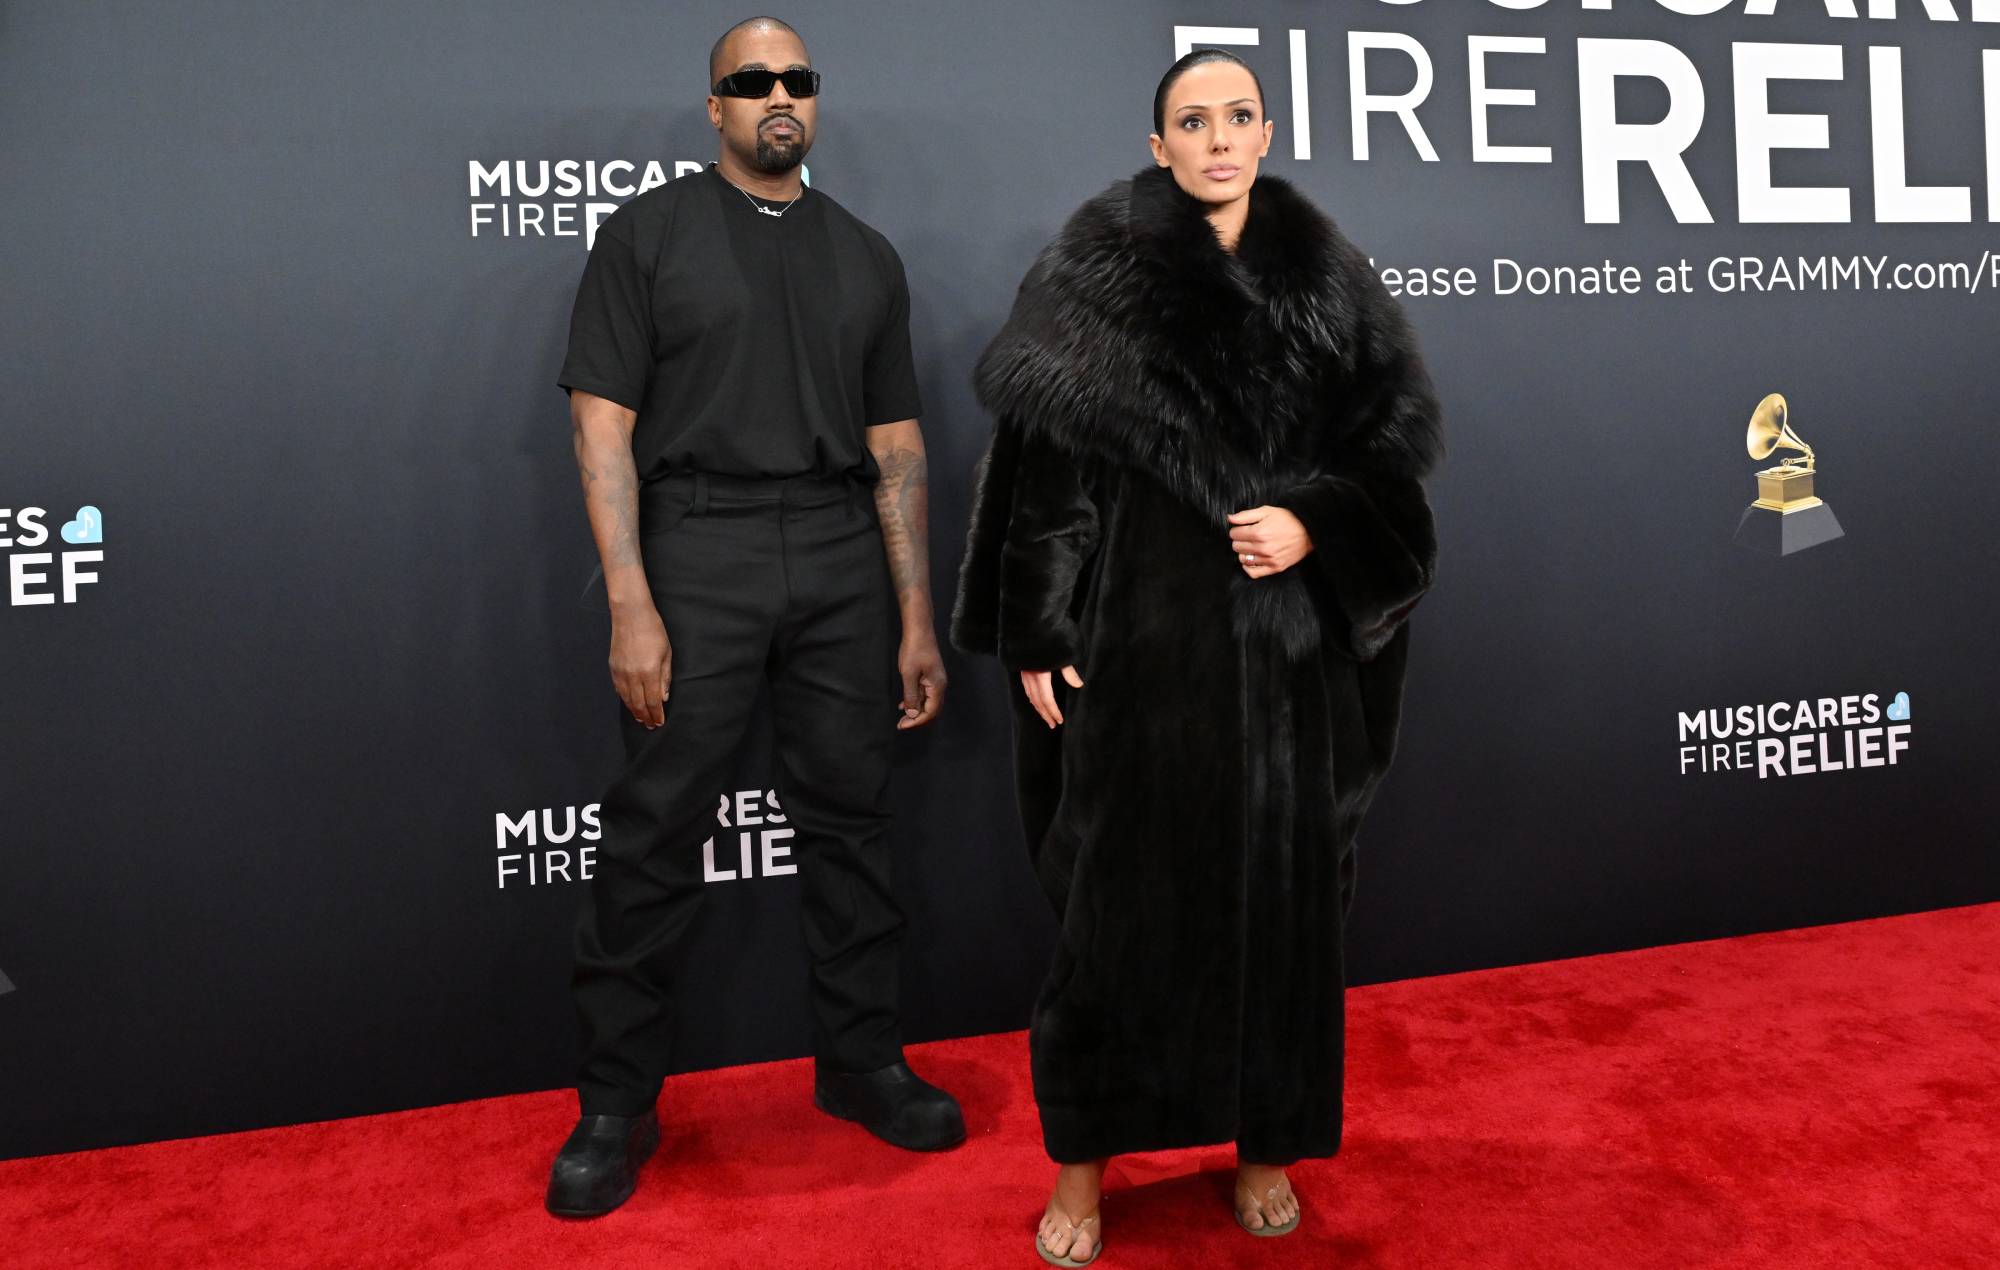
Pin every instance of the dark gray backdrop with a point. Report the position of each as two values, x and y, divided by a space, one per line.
247 849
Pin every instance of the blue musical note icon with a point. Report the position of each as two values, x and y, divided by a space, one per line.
87 527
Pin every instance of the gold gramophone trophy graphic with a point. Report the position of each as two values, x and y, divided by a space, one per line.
1787 515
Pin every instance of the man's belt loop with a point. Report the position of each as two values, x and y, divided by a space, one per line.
700 507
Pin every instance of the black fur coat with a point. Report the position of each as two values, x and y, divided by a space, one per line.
1193 820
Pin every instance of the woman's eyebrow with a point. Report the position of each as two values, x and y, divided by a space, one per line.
1202 105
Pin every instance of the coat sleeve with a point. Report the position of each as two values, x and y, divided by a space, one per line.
975 611
1052 534
1034 528
1374 540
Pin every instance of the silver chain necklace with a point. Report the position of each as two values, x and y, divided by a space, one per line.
761 207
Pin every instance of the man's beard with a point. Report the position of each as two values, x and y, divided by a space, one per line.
775 157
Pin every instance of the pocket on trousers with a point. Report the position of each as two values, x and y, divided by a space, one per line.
660 516
860 502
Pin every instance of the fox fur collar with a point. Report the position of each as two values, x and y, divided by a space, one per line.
1228 378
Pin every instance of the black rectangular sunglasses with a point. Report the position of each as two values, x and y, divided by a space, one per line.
799 83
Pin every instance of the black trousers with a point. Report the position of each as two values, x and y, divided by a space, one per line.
784 581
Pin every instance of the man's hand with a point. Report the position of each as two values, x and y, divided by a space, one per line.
1041 690
922 667
642 664
1268 540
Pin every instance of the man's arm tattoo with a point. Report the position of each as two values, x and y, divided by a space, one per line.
610 481
903 500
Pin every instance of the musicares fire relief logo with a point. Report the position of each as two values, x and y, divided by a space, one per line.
563 198
1786 738
37 577
558 844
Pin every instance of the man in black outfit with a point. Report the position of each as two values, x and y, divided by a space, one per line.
745 414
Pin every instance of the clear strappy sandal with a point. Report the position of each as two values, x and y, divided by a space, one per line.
1267 1229
1076 1227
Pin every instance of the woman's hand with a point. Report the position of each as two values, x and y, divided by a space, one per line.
1041 690
1268 540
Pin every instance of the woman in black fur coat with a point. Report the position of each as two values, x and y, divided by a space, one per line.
1198 533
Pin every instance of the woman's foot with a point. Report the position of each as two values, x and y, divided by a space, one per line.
1070 1225
1264 1200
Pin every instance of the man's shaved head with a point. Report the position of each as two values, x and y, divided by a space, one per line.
764 136
718 67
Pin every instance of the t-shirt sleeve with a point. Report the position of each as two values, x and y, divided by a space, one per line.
889 381
611 325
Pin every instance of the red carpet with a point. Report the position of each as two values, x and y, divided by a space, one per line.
1819 1097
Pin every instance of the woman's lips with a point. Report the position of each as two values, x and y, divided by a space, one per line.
1221 171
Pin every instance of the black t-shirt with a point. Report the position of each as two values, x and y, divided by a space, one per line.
749 345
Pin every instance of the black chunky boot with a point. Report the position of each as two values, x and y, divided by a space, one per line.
598 1167
893 1103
